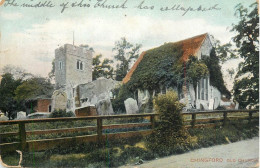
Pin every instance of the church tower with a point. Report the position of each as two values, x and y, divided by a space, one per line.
73 66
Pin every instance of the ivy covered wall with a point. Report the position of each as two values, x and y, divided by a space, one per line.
162 66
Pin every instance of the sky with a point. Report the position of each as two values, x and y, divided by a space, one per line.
29 35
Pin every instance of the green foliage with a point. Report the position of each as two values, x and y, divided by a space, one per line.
157 68
162 66
169 109
87 47
61 113
117 152
126 53
246 87
102 69
17 72
196 69
8 103
216 77
224 51
51 74
33 87
235 131
169 136
121 94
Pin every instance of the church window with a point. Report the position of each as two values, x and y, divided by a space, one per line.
60 65
207 88
202 89
79 65
199 90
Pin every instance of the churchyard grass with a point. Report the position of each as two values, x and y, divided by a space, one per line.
114 153
68 124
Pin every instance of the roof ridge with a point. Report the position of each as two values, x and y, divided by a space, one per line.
189 46
204 34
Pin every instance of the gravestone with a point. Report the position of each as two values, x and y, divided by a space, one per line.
104 107
131 106
59 100
237 106
211 104
3 118
21 115
90 93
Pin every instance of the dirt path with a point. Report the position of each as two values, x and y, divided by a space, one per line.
243 154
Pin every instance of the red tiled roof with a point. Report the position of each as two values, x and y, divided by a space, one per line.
130 73
190 47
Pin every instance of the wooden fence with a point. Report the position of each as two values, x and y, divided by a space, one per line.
212 121
99 135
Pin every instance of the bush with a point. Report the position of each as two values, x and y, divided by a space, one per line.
122 94
169 136
61 113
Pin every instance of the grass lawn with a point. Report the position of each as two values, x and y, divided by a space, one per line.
129 151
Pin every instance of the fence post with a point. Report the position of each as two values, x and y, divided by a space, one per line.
22 135
225 118
193 121
99 129
250 117
152 120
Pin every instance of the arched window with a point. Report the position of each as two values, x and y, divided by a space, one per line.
78 64
60 65
49 108
81 66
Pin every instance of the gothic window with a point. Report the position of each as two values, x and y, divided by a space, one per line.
202 89
207 88
60 65
79 65
199 90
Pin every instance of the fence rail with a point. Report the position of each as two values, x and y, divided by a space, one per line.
99 136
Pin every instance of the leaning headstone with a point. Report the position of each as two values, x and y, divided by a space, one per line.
211 104
3 118
21 115
237 106
59 100
104 107
38 115
131 106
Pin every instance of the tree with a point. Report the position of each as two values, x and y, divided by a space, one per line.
224 52
51 74
102 69
246 85
33 87
87 47
16 71
126 53
231 72
195 70
8 104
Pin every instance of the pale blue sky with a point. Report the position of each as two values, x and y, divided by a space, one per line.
29 36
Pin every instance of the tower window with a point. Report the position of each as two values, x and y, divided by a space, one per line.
60 65
79 65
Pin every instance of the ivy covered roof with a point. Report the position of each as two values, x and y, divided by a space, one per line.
189 47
